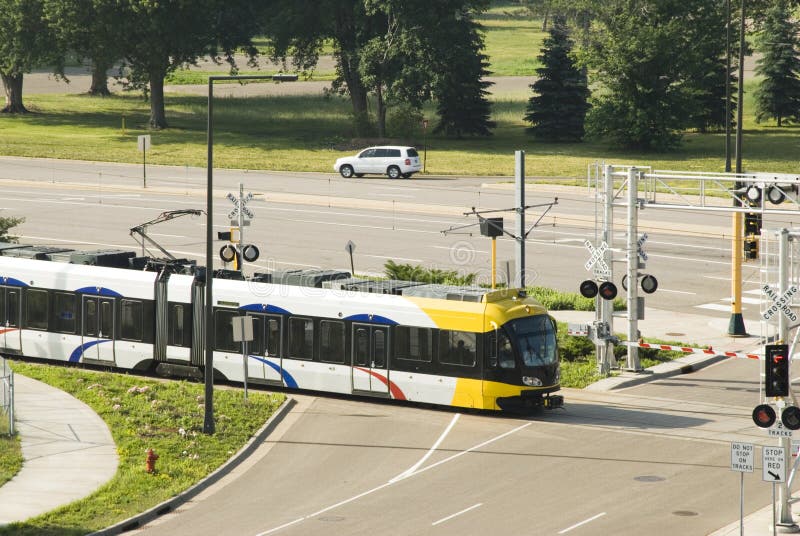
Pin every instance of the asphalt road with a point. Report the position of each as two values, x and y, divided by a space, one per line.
404 221
633 462
650 459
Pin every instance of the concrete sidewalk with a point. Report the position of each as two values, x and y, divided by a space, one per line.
67 448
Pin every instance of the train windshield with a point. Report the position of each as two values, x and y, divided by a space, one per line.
535 340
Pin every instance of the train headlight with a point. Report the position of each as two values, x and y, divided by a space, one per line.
532 381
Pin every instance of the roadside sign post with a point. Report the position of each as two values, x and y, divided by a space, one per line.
144 144
350 247
774 470
742 458
243 332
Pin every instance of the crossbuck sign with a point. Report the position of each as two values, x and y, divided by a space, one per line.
596 260
780 303
240 206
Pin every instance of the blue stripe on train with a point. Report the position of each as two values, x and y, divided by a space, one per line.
10 281
264 308
372 319
76 354
99 291
287 378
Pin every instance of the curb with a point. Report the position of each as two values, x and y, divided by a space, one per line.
683 365
171 504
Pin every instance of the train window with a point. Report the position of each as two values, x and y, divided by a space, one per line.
331 341
64 312
457 348
273 337
130 320
106 319
223 331
301 338
379 349
362 347
414 344
36 308
176 325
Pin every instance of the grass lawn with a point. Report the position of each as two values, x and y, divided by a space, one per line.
143 413
10 457
307 133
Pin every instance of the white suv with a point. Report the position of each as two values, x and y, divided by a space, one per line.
392 160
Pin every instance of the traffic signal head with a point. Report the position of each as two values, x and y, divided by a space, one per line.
588 289
776 370
608 290
790 417
764 416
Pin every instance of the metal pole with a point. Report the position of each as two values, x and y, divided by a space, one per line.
519 173
736 326
240 245
607 306
244 364
784 494
633 268
144 165
208 421
741 503
728 86
494 261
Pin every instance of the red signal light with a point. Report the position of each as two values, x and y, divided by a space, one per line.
764 416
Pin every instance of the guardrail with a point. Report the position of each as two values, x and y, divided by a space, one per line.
6 399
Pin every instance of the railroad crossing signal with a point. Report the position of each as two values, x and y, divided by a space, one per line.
776 370
240 205
640 247
780 303
596 260
764 416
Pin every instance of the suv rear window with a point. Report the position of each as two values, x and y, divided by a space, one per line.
413 153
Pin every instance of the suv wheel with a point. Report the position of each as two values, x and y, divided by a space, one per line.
393 172
346 171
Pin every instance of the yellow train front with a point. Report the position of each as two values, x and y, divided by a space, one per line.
516 365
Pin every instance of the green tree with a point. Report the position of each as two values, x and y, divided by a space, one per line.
163 35
643 58
460 87
778 94
557 109
91 29
394 50
26 41
5 225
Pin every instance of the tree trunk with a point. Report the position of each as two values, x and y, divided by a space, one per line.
158 117
99 78
381 112
13 86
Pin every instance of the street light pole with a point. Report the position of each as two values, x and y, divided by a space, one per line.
208 421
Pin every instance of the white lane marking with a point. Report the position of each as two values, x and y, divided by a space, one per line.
428 454
394 195
576 525
464 511
276 529
169 235
751 301
382 486
451 247
391 257
677 291
714 307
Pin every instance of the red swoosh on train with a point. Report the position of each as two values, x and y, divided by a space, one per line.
393 388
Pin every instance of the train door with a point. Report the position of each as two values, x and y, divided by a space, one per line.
10 313
267 346
98 328
370 358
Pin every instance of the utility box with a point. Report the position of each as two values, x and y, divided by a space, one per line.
492 227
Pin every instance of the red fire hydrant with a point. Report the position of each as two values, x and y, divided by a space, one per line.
150 461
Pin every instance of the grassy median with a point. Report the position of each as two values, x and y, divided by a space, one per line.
141 413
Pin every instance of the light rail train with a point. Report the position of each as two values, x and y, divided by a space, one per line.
312 329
